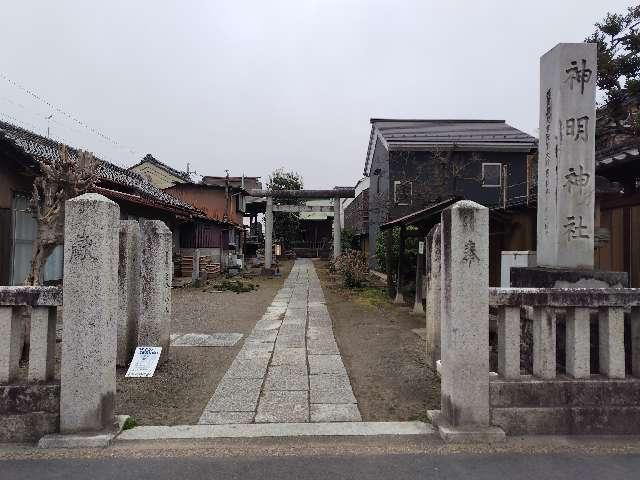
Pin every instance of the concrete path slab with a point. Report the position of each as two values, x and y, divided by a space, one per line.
289 368
275 430
225 418
330 389
335 412
326 364
283 407
205 340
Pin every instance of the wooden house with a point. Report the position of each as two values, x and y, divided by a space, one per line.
21 152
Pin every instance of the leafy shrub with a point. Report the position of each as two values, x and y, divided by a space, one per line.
130 423
234 286
410 251
352 267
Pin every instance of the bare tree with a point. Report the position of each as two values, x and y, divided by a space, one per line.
61 178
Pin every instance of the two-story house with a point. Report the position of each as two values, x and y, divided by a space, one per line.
414 164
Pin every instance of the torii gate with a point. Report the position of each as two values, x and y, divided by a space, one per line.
337 193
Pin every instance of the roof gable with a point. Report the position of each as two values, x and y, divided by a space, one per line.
148 158
492 135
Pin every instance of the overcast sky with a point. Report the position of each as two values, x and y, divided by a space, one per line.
251 86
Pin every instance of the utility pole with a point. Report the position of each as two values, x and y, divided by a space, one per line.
49 124
226 196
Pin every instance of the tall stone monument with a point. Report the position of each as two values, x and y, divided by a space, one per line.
566 174
566 161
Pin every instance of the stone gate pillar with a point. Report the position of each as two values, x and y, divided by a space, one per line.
89 334
154 327
268 234
432 274
464 414
128 290
337 242
418 309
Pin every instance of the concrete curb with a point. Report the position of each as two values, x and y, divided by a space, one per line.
256 430
83 440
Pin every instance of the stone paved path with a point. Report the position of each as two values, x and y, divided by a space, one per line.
289 369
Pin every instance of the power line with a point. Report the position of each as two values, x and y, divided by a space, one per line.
68 115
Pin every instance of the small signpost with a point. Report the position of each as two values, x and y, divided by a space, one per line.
421 248
144 362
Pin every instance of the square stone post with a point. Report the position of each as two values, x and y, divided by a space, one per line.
578 342
337 245
89 335
635 341
128 289
10 343
611 345
154 327
509 342
544 342
418 309
42 343
433 295
268 234
566 165
464 415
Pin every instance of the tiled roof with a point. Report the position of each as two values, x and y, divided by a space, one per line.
463 134
41 148
176 173
618 155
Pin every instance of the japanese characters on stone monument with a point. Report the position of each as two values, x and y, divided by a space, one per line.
566 160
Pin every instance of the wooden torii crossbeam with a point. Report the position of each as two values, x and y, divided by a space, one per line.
337 193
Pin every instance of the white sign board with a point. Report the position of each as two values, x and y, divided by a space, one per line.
144 362
420 248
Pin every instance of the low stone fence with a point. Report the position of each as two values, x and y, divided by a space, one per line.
29 407
37 307
477 405
116 295
577 303
581 400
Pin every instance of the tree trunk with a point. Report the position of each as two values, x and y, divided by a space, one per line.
38 262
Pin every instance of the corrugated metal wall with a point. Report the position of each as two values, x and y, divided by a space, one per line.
203 236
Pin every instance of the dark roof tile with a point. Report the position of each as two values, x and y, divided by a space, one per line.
41 148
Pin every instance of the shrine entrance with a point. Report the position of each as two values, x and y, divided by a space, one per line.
336 194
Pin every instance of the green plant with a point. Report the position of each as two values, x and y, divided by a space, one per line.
130 423
410 251
234 286
618 40
352 267
348 240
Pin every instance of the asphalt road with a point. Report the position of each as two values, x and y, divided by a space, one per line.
389 466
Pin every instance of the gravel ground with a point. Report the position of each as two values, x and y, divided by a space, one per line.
185 381
384 358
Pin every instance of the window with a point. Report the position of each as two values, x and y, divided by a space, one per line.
24 233
491 174
402 191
